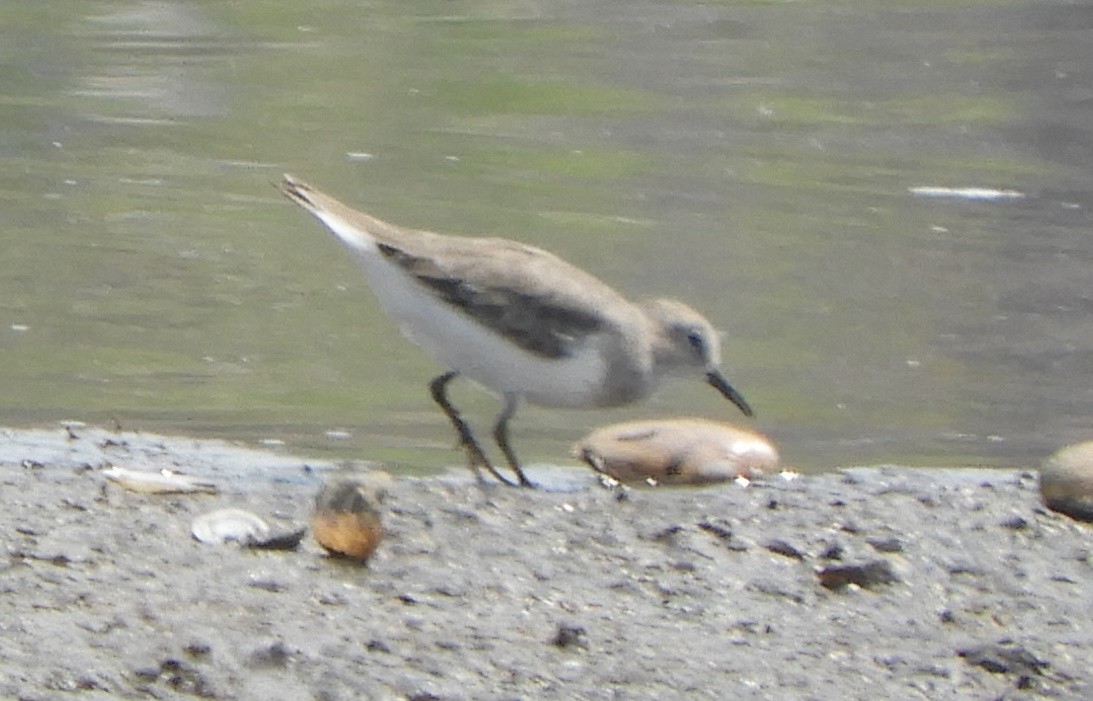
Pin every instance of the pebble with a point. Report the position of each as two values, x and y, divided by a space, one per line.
1066 481
1005 657
569 635
346 521
866 575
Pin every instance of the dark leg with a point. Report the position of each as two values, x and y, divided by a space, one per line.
501 435
477 458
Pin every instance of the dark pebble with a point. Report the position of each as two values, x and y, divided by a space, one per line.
865 575
781 547
1006 657
569 635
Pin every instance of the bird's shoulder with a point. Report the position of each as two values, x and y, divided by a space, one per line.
533 297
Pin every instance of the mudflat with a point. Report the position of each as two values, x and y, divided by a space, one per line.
881 583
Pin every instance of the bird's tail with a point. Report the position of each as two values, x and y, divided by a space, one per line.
316 202
356 230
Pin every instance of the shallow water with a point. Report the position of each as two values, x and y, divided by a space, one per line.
759 160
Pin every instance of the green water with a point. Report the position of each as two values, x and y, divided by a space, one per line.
752 158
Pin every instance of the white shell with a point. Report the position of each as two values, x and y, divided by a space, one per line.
162 482
230 525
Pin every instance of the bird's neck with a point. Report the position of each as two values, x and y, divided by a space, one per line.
668 357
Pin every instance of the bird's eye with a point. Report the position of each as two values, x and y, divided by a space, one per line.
697 341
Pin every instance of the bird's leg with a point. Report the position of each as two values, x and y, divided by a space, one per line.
501 435
477 458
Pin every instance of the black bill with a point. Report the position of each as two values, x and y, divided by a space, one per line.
718 381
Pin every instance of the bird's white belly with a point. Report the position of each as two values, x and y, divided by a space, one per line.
452 337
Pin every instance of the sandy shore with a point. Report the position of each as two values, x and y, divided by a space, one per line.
872 584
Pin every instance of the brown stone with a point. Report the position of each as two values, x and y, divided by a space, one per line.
676 451
346 521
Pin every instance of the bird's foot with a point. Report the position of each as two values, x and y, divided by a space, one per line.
477 461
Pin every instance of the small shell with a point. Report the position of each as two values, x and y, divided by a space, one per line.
345 521
162 482
230 525
677 451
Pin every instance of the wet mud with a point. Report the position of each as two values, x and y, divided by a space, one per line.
866 584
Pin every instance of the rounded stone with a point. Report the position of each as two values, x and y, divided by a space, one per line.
676 451
346 521
1066 481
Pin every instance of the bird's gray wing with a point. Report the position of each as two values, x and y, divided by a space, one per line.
517 291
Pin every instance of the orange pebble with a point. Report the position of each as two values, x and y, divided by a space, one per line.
345 521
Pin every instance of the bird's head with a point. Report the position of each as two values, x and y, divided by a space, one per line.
687 343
